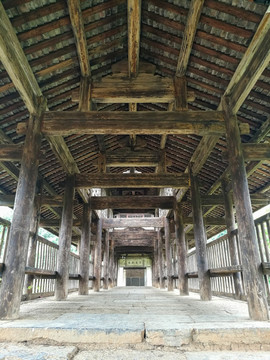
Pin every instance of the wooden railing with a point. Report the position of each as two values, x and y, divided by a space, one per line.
43 272
220 267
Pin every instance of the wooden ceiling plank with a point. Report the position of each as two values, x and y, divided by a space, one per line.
194 14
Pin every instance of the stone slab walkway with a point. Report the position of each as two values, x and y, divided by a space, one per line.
133 316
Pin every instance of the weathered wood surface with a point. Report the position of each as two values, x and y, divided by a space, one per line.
181 251
85 250
77 23
131 180
134 29
157 222
45 274
155 274
231 227
57 123
106 261
161 261
225 271
266 268
192 21
168 253
200 239
121 67
57 223
181 97
252 273
132 202
65 235
250 68
97 262
12 282
146 88
207 220
127 158
144 242
128 235
255 151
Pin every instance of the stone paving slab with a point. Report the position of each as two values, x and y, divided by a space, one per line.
36 352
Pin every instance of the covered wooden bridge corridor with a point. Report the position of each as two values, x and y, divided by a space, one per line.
135 130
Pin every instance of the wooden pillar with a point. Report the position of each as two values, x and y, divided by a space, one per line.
106 261
85 250
65 235
252 271
200 239
32 245
168 254
155 264
97 262
111 264
13 276
181 251
160 261
92 256
230 223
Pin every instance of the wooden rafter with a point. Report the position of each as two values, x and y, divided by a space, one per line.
77 24
188 37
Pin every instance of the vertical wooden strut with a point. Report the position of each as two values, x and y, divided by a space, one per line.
111 264
252 272
181 251
230 224
160 261
97 263
32 244
65 235
85 250
106 261
200 238
13 277
168 254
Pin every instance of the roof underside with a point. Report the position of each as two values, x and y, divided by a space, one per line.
44 30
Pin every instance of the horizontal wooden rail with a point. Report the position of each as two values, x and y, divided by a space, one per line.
225 271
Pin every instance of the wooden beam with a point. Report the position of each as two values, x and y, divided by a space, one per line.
15 63
57 223
134 30
146 88
211 221
77 24
132 202
253 151
157 222
127 158
192 21
143 122
130 235
131 180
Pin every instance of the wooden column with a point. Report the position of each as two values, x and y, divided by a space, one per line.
13 276
168 254
252 271
65 235
32 245
106 261
200 239
230 223
97 262
111 262
160 261
85 250
92 256
181 251
155 264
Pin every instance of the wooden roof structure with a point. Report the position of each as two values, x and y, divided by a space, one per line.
143 68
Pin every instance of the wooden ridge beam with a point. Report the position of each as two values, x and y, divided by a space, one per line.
192 21
132 202
131 180
157 222
145 88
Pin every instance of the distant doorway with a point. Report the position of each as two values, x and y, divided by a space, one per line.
135 277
